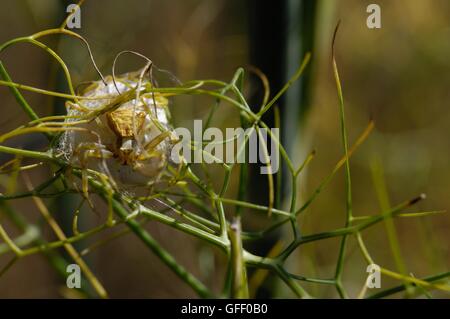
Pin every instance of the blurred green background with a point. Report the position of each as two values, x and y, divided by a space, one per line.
398 75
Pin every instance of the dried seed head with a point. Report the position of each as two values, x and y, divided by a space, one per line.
128 136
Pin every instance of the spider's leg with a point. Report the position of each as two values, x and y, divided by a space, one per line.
89 150
85 186
156 141
75 218
110 191
133 214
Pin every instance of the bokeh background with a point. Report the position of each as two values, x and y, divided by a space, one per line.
398 75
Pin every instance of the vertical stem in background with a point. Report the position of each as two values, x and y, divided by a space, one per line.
385 205
18 96
281 32
299 40
348 184
239 284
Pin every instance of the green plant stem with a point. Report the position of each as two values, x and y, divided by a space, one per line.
56 261
383 199
400 288
350 229
348 219
19 97
165 256
239 287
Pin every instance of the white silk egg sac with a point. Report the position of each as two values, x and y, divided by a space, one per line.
126 136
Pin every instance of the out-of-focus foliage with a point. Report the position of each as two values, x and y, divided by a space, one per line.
397 75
